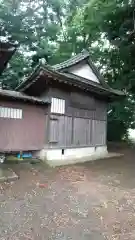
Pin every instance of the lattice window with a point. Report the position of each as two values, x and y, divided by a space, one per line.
58 106
14 113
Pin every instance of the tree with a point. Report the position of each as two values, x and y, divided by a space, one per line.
109 27
16 70
36 26
40 28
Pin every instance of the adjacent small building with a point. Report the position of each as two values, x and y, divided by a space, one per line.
22 123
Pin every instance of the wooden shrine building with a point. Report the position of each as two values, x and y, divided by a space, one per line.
75 123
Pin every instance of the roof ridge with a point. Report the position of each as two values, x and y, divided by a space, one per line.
73 60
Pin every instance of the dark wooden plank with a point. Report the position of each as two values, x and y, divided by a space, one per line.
93 132
82 100
68 131
89 132
98 132
54 132
61 130
80 136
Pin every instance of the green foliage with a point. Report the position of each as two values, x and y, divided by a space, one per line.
15 71
110 24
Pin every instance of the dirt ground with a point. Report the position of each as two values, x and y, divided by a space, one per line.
91 201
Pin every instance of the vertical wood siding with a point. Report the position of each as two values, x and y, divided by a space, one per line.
68 131
54 130
27 133
60 131
98 132
84 121
80 131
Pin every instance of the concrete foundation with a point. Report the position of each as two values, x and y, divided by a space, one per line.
55 157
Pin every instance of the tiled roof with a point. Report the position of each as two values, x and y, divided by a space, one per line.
59 73
21 96
84 55
69 79
72 61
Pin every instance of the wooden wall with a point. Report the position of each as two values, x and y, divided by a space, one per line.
72 131
83 124
23 134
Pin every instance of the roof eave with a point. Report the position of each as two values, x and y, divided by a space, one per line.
6 94
27 80
111 93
